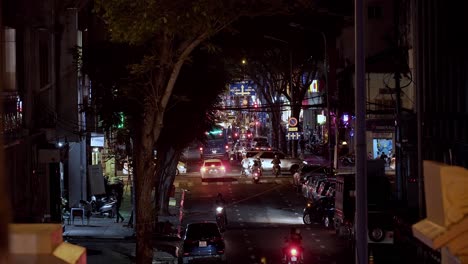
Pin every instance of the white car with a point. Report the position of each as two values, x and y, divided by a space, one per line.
266 157
212 168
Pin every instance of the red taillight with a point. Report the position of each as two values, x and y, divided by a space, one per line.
293 251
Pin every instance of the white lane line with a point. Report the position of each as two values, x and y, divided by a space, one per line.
322 246
252 256
219 183
240 219
204 183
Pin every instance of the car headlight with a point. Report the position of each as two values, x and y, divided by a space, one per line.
304 162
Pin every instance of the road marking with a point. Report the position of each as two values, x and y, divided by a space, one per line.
219 183
252 256
322 246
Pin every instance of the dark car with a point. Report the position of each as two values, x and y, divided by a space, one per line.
203 241
307 170
321 211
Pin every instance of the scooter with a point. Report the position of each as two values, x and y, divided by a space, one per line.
256 174
221 218
103 206
276 170
293 255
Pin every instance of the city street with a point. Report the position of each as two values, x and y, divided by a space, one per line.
260 217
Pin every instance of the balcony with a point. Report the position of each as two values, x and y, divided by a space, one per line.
11 117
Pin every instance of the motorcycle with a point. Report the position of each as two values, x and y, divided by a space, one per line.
256 174
103 206
276 170
347 160
293 255
221 218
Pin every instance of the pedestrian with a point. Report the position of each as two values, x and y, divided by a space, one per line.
383 156
302 144
118 192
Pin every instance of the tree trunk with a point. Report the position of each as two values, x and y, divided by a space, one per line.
166 178
143 207
276 126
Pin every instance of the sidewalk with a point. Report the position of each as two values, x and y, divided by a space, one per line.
101 227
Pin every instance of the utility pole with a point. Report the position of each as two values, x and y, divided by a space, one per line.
361 156
293 142
398 139
331 148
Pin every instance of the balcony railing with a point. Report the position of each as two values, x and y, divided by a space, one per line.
11 119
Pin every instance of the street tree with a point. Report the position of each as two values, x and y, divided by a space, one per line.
282 67
170 31
192 111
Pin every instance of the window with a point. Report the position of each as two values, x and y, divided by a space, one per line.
9 64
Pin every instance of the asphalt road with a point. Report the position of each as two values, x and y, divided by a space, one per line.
260 217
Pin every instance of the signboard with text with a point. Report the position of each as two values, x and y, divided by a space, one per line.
242 88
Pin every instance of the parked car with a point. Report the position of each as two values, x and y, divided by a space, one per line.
287 163
181 168
212 168
307 170
203 241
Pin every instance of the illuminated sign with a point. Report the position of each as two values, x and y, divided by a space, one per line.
321 119
313 88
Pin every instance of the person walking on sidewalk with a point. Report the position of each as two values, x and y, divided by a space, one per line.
118 191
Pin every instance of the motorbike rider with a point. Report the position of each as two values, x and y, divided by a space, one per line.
294 238
256 165
276 163
221 203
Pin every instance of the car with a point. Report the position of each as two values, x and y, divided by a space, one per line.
203 241
266 157
259 139
181 168
261 145
192 152
212 168
306 170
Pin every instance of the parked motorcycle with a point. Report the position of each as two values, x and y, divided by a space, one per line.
221 218
347 160
103 206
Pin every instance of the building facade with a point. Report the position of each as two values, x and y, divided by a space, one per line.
44 125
